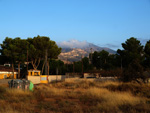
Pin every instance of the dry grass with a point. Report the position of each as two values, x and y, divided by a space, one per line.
113 99
18 92
107 101
75 96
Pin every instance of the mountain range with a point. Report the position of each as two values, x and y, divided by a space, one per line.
74 50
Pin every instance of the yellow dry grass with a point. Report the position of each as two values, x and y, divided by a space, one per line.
104 84
18 92
6 108
114 98
73 95
9 110
50 90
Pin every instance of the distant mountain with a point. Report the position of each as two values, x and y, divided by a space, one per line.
97 48
74 50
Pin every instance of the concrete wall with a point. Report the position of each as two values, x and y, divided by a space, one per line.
54 78
101 79
73 75
34 79
51 78
86 75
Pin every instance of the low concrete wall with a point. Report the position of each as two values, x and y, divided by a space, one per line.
73 75
34 79
88 75
101 79
54 78
51 78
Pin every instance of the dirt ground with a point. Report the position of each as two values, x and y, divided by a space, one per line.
4 81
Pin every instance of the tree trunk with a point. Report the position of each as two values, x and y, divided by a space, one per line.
48 66
34 66
27 64
19 70
46 69
13 70
43 67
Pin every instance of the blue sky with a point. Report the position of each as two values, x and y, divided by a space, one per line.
102 22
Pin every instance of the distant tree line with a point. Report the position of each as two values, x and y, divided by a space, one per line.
129 64
133 60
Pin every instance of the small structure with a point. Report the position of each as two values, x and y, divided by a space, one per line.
44 79
7 72
91 75
36 77
33 72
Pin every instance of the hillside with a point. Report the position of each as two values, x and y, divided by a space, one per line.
75 51
74 54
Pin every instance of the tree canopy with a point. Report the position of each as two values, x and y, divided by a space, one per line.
133 57
16 50
132 49
37 48
147 54
102 60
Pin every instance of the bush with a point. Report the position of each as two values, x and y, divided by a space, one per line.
134 88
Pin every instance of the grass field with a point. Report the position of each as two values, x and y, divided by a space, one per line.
77 97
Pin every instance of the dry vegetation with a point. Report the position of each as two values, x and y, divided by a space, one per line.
77 97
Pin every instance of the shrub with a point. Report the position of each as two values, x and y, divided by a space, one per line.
134 88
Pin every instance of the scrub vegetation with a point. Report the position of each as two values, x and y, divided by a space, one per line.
77 96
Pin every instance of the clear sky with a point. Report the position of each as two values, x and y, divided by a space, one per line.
102 22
